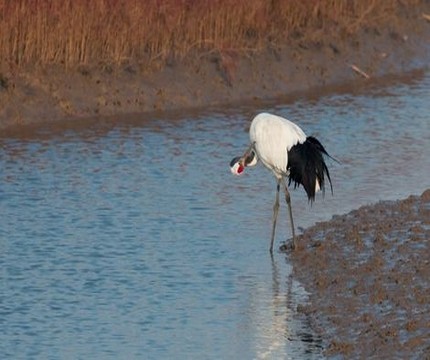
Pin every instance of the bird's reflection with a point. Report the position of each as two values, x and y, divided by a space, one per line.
282 332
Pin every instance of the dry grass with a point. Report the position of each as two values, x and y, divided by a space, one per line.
72 32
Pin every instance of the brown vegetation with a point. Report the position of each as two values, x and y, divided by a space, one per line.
72 32
82 58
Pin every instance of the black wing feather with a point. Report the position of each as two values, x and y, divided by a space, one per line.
306 165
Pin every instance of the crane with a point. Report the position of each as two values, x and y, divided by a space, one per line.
284 148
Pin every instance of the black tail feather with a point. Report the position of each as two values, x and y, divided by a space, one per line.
306 166
316 142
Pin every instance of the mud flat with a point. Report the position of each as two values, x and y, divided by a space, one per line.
368 274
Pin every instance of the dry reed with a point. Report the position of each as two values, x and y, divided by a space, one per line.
72 32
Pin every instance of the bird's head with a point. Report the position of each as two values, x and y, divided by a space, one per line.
236 166
239 163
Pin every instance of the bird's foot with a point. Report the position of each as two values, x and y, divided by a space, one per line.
288 246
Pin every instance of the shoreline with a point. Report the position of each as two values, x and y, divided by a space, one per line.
53 95
367 274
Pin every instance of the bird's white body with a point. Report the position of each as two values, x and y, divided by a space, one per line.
273 136
285 149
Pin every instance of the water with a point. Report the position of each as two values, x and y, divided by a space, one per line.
130 239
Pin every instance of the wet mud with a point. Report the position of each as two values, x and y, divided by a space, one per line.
368 274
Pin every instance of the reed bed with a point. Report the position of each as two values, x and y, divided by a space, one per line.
72 32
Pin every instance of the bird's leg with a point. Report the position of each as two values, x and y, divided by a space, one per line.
288 200
275 214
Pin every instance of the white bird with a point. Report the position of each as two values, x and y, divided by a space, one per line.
284 148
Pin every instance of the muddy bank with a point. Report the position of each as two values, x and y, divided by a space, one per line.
48 94
368 274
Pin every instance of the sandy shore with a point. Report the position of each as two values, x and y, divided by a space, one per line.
52 94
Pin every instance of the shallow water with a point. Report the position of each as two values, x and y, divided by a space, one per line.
131 239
